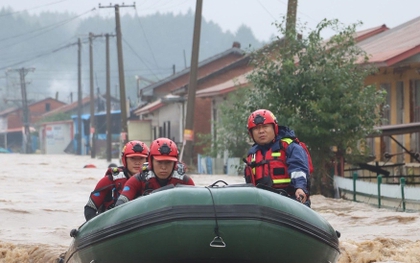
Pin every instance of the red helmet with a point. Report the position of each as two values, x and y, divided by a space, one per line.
134 148
163 149
262 116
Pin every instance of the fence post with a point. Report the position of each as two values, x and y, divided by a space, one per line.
354 186
379 190
402 182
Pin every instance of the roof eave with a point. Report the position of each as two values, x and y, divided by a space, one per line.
406 54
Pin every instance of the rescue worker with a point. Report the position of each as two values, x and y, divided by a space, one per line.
108 189
163 169
275 160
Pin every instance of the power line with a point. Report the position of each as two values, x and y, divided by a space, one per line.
38 56
50 27
145 37
36 7
135 53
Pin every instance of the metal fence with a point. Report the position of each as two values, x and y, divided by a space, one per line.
397 196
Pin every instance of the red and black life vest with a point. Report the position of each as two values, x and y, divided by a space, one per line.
117 177
269 169
150 182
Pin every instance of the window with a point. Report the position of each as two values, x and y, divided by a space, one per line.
400 102
400 115
416 100
385 142
415 137
47 107
387 105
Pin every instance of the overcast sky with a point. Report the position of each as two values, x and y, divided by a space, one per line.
257 14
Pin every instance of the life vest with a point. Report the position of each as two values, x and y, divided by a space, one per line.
270 169
118 178
150 182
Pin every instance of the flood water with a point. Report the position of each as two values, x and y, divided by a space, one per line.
42 198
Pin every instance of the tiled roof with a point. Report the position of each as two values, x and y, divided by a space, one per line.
394 45
233 50
367 33
10 110
149 107
67 107
224 87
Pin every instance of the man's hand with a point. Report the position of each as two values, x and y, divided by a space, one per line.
300 195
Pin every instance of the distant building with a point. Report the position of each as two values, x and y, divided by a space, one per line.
11 122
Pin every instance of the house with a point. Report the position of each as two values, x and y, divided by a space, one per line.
69 127
396 53
167 98
72 108
11 122
218 93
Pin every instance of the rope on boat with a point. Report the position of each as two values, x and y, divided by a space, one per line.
217 240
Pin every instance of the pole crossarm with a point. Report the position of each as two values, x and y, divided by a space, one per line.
123 102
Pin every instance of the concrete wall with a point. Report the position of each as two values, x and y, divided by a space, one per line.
55 137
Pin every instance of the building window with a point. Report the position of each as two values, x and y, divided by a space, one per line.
416 101
415 138
387 105
400 102
385 141
47 107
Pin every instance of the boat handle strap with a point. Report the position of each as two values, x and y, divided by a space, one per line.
217 240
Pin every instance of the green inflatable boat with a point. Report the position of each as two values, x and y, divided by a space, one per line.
218 223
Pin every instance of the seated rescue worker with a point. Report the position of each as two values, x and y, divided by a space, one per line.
108 189
163 169
275 160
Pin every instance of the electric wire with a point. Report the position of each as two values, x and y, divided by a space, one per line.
24 40
33 8
145 37
141 59
39 56
50 27
155 5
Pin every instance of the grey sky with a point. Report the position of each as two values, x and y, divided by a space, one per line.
257 14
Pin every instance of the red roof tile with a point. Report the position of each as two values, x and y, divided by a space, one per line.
149 107
394 45
224 87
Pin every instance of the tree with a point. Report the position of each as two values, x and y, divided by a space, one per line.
316 87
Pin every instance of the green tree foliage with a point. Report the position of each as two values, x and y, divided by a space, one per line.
316 87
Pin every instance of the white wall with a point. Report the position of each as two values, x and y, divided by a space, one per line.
57 137
171 112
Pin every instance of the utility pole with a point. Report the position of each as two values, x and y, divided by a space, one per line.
25 109
108 103
92 99
123 102
291 19
291 16
92 96
189 122
79 97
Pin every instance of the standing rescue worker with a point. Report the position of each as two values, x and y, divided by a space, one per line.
108 189
276 160
163 169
